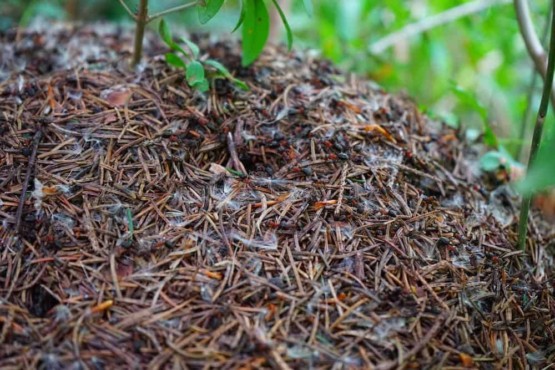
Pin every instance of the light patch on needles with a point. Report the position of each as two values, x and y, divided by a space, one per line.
225 195
177 219
386 328
20 83
268 241
75 95
63 223
206 293
497 207
469 257
383 160
456 201
255 265
37 194
346 230
96 144
300 352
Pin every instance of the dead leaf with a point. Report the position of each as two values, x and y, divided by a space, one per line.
116 96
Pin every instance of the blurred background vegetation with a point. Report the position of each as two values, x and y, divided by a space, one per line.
471 71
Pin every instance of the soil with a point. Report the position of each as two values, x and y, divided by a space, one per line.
313 221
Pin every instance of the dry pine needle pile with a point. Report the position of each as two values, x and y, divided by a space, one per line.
314 221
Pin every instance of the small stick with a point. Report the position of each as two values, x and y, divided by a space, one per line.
536 138
31 165
235 162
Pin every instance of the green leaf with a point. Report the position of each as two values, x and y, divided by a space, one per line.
207 9
187 54
201 86
165 33
256 28
175 61
225 72
195 73
241 18
286 24
491 161
309 7
495 159
192 46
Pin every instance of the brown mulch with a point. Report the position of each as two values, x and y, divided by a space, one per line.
314 221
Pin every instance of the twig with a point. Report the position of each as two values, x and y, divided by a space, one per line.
141 20
536 139
30 167
531 40
171 10
235 162
433 21
531 88
131 14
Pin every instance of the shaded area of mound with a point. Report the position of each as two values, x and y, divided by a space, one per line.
313 221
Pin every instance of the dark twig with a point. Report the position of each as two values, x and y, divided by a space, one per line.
30 167
531 89
235 162
531 40
536 139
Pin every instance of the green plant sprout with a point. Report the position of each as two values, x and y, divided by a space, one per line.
142 19
189 60
536 138
468 99
254 18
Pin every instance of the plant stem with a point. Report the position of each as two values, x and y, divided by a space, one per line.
131 14
531 39
520 155
171 10
538 129
141 20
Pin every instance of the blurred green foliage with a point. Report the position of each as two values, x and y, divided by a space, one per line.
542 175
482 53
456 71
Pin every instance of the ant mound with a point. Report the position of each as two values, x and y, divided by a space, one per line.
312 221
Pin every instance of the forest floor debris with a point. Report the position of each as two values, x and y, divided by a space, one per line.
314 221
